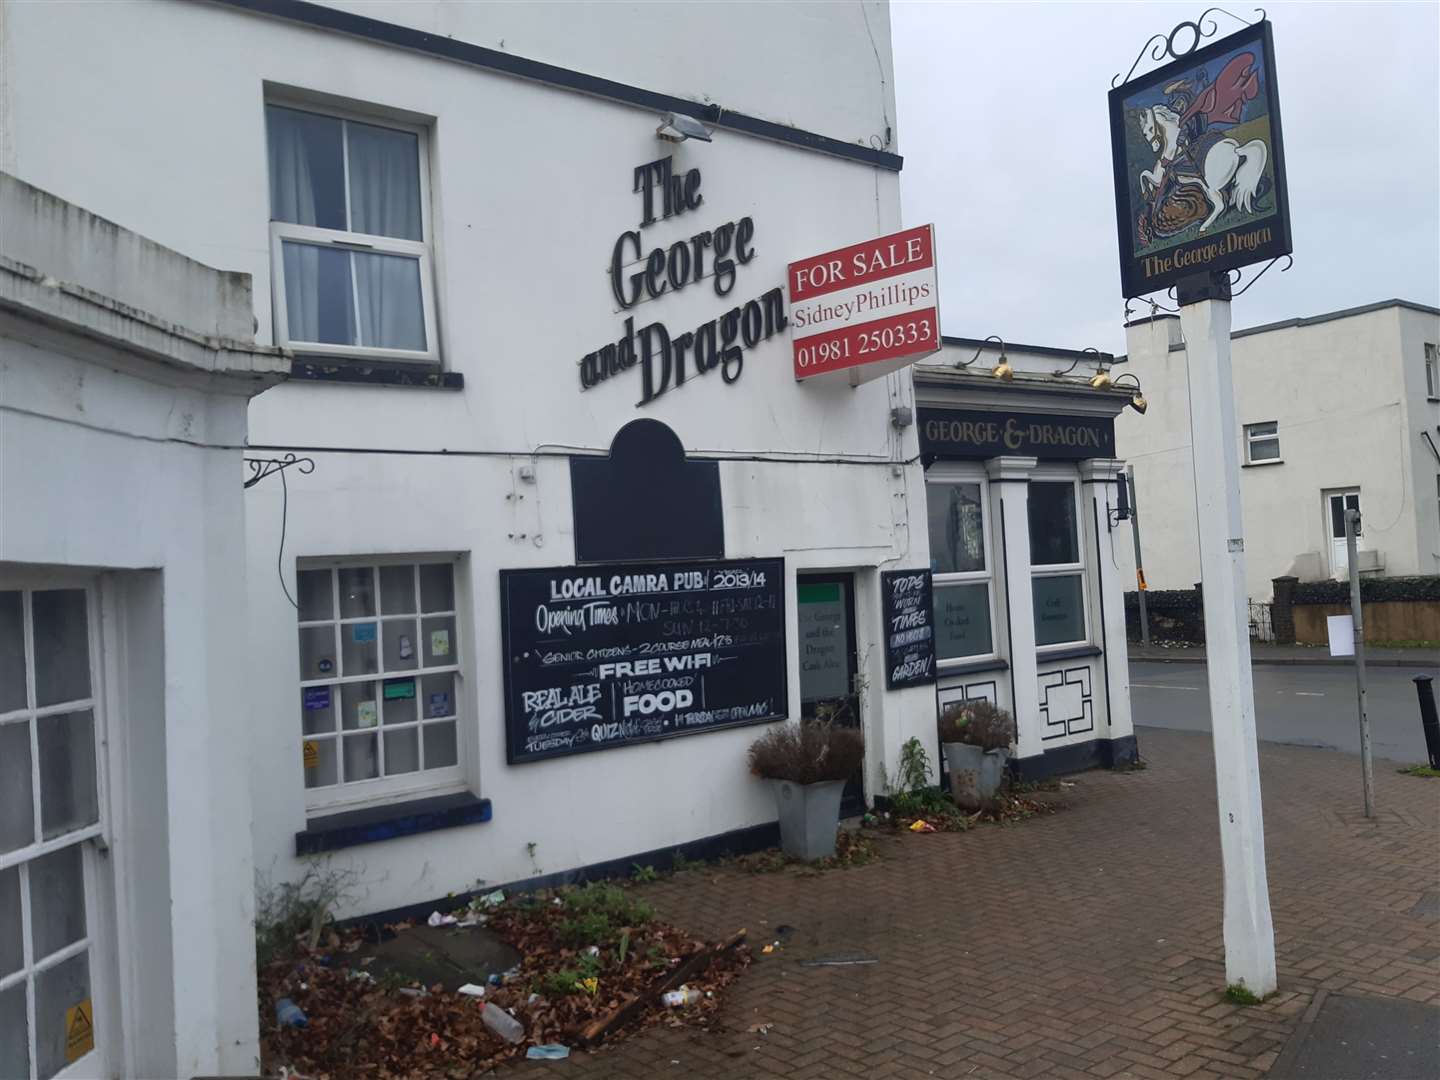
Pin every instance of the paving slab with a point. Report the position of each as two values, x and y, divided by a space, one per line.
1364 1038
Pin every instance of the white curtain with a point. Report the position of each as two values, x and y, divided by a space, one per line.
292 198
391 313
384 182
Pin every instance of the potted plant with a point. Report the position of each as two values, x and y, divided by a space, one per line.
809 762
976 737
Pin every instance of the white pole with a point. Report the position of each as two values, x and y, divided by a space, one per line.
1249 932
1357 618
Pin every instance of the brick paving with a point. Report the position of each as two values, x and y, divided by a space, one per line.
1080 945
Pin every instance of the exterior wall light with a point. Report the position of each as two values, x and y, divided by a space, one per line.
1003 370
1137 399
677 127
1003 362
1101 380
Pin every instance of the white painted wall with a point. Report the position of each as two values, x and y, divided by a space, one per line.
531 186
1348 394
129 465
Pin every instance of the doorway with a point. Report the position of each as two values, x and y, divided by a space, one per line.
1336 503
828 686
53 932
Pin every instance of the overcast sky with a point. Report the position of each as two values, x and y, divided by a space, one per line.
1003 124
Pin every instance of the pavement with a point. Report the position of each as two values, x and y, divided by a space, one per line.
1302 705
1262 653
1082 944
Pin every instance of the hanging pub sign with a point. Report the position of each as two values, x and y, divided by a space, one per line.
610 655
867 309
909 628
1199 161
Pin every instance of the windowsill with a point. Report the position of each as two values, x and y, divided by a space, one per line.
373 824
1046 653
374 373
1262 464
945 668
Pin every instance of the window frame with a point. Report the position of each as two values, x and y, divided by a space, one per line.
1251 438
949 475
364 243
1071 569
1432 371
382 790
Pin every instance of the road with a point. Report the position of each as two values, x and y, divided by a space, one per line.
1296 704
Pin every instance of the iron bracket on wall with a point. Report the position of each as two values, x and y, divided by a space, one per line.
260 468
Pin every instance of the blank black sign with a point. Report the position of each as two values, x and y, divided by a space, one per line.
609 655
909 628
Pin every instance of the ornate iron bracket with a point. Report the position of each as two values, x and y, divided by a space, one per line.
260 468
1165 44
981 349
1088 353
1234 292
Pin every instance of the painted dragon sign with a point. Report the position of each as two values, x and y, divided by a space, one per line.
1199 163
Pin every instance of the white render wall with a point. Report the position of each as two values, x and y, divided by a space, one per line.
531 185
1348 395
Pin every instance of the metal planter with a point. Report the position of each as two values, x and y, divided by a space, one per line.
975 774
809 817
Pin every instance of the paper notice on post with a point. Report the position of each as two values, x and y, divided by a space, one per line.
1341 629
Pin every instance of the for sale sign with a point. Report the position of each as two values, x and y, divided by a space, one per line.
866 309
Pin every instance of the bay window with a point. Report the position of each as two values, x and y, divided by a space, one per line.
349 236
961 565
1057 563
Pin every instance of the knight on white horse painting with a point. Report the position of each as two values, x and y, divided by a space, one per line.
1209 131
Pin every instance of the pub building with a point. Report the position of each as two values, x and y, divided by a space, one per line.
1021 485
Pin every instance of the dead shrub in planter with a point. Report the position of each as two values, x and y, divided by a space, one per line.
978 723
807 752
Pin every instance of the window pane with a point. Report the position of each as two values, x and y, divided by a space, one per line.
307 168
402 751
1265 450
440 749
399 701
439 691
1059 609
392 314
313 589
1053 535
358 648
358 707
400 650
439 641
62 646
957 541
320 764
319 295
357 592
12 951
384 181
67 773
57 991
962 621
12 654
362 758
17 807
317 709
317 651
397 590
57 900
14 1036
1255 430
437 587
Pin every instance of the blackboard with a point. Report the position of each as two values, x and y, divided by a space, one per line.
610 655
909 628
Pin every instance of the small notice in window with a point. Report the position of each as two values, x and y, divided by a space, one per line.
317 697
366 714
79 1031
440 704
399 688
312 754
364 631
439 642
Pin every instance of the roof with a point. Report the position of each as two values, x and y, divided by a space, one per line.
1015 346
1304 320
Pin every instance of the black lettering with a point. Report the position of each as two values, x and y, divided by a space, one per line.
698 243
617 262
652 388
678 269
678 346
693 198
705 357
608 361
751 333
625 357
654 270
724 266
732 357
647 177
744 233
588 377
775 318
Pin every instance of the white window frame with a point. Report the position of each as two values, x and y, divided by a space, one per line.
345 240
947 474
383 789
1432 371
100 938
1065 476
1251 438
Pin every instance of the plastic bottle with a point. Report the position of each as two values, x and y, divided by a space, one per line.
677 999
290 1015
502 1023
